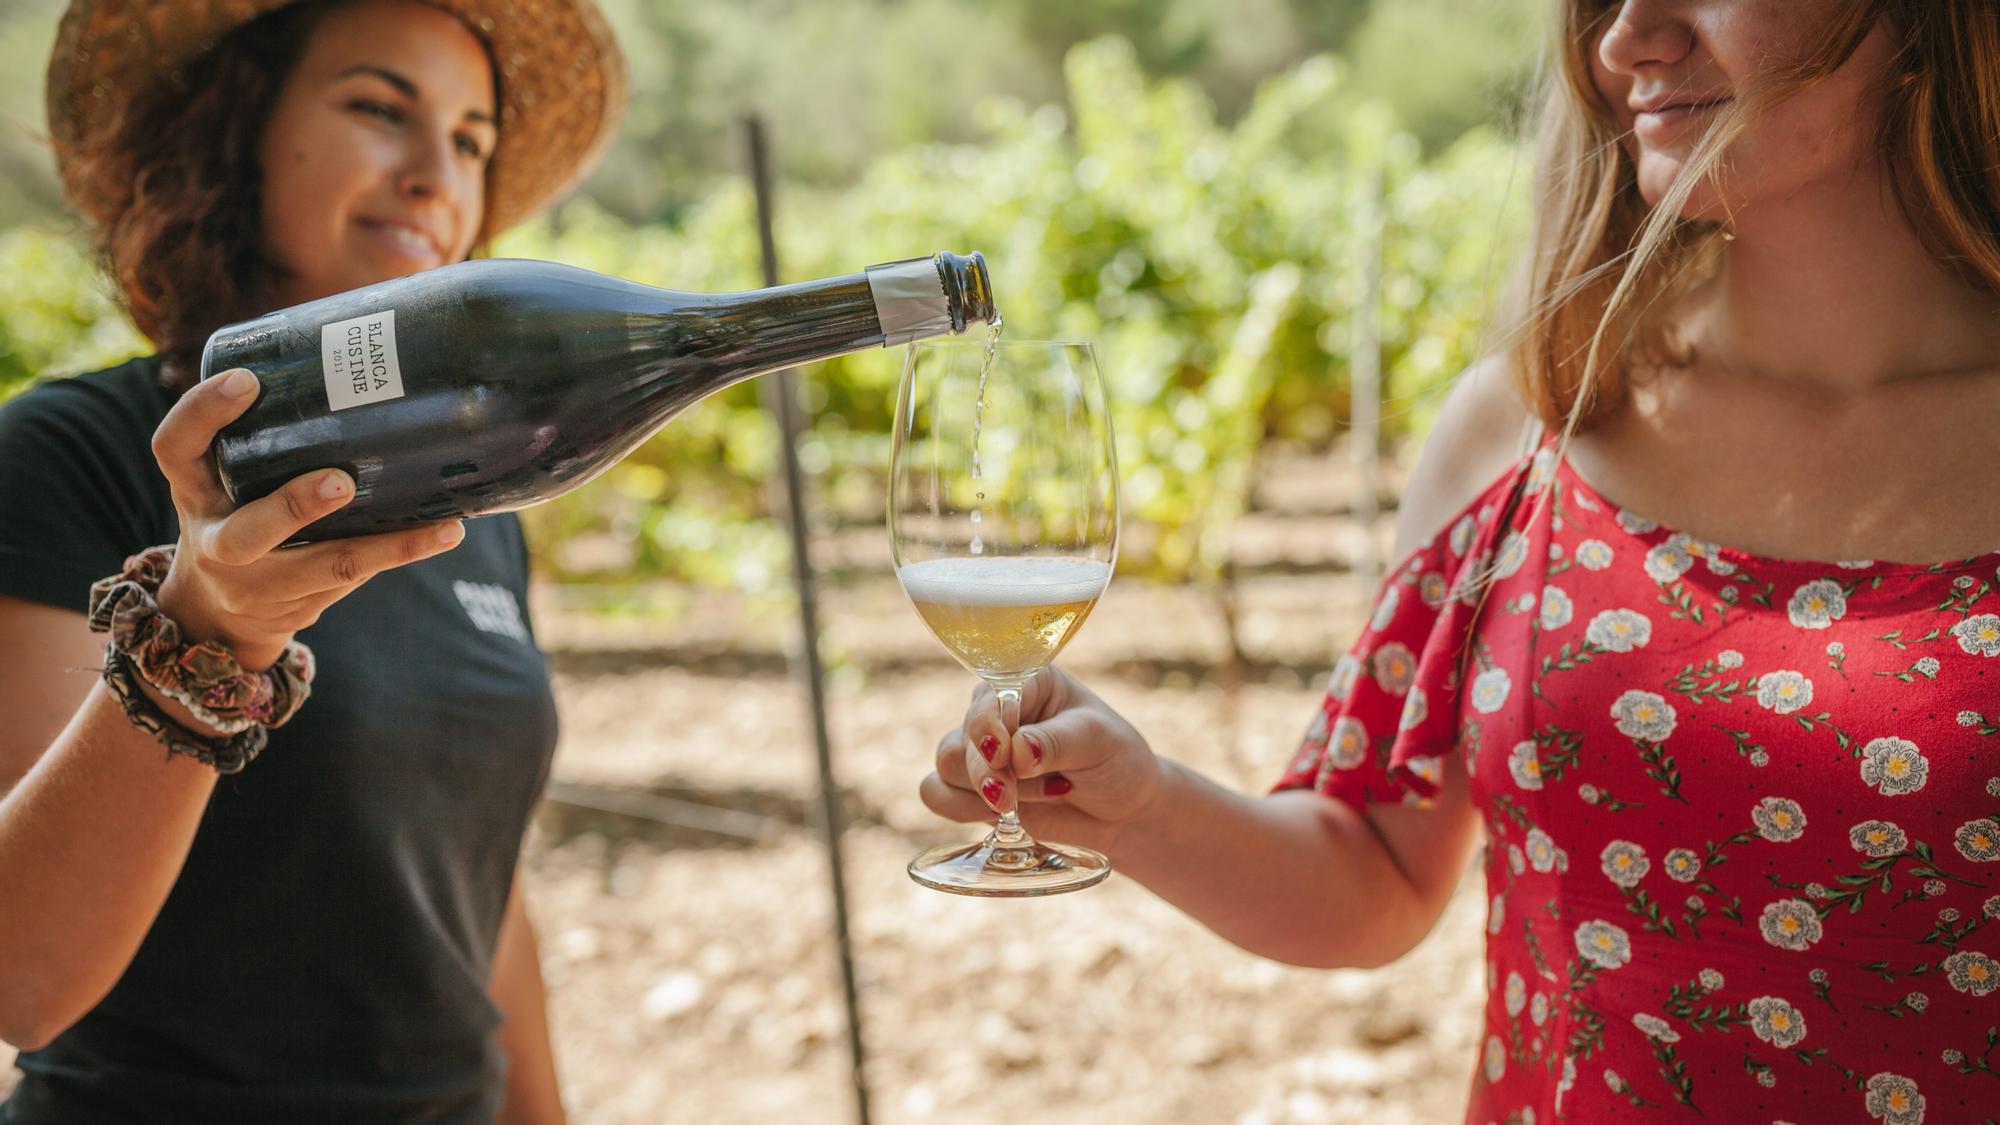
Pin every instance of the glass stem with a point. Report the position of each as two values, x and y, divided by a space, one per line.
1007 832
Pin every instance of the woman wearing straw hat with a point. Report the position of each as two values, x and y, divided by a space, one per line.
333 931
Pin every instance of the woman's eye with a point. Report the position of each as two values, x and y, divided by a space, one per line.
469 146
382 110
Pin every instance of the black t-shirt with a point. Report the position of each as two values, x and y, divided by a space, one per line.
325 953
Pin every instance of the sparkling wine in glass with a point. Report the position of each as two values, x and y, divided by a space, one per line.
1003 516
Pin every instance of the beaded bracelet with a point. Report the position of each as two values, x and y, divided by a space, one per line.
205 678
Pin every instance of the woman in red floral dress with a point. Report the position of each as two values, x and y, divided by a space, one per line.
1741 804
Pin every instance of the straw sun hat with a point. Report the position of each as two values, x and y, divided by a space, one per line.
562 84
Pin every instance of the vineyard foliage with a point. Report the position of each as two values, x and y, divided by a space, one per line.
1218 267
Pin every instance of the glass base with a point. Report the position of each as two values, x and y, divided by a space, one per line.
988 870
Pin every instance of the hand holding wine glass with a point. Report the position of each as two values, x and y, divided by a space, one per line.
1080 772
1004 521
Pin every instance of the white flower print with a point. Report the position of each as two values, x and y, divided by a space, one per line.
1517 860
1635 523
1593 554
1759 758
1429 767
1970 718
1667 561
1855 564
1541 851
1644 715
1728 658
1385 610
1538 1009
1979 634
1978 840
1416 709
1496 1058
1993 786
1525 763
1783 691
1516 994
1557 609
1895 1100
1513 552
1624 863
1991 907
1952 1056
1588 793
1349 744
1776 1022
1341 682
1971 972
1566 1083
1603 944
1489 690
1933 888
1948 914
1710 979
1835 648
1619 630
1395 667
1877 838
1767 1079
1916 1001
1541 470
1790 923
1462 534
1683 866
1779 820
1653 1027
1433 589
1894 766
1817 604
1928 667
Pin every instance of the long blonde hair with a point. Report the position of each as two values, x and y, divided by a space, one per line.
1601 263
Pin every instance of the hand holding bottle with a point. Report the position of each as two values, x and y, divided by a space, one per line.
1081 773
230 583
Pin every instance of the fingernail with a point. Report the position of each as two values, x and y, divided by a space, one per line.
992 790
1055 785
451 533
238 383
1034 747
988 747
332 486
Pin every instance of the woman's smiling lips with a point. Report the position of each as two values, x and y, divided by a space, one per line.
405 240
1662 120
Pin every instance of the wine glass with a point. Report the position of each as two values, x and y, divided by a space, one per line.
1003 517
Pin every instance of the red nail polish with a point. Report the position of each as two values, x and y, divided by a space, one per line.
988 747
1055 785
992 790
1034 747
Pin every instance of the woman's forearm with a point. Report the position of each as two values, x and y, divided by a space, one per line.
534 1096
1296 877
92 838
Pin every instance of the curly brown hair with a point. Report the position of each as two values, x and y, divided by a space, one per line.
184 239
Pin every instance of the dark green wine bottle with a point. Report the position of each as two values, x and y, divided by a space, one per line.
489 386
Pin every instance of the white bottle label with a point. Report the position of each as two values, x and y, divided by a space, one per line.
358 357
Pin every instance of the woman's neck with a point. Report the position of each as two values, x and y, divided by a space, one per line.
1831 289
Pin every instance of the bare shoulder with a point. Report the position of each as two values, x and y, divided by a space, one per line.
40 694
1476 438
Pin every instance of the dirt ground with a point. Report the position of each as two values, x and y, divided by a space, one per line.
693 975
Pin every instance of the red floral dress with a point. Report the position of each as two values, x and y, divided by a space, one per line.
1742 813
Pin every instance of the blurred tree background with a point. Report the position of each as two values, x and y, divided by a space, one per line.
1188 182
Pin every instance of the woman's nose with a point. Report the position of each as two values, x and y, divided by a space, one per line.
1646 33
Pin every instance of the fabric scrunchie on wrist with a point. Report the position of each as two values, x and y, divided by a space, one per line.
205 678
